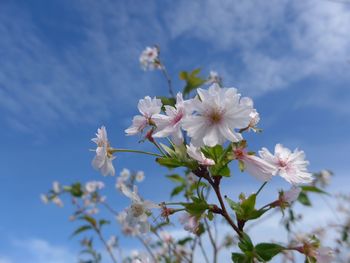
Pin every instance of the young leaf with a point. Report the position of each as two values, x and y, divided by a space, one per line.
177 190
304 199
267 251
177 178
81 229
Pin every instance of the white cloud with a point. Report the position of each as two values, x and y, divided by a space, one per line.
82 80
37 251
277 42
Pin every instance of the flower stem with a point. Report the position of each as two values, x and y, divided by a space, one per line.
261 187
166 75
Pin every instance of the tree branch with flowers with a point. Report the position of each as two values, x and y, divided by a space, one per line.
200 130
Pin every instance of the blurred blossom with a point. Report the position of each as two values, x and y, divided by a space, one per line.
140 176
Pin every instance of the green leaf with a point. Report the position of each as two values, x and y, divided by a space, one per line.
246 244
184 240
81 229
197 208
235 206
76 190
89 219
177 178
103 222
267 251
249 203
177 190
170 162
167 101
314 189
240 258
304 199
192 79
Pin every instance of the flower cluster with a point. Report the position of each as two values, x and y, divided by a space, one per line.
205 134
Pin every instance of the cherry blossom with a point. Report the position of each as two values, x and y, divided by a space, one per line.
254 165
140 176
104 157
197 155
214 77
291 165
147 107
191 223
137 213
149 58
291 195
218 112
254 115
323 255
170 124
93 186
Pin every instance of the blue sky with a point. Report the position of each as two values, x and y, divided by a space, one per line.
67 67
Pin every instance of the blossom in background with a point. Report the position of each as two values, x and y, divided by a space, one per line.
290 196
137 213
104 157
149 58
218 112
147 107
290 165
190 223
93 186
254 165
170 124
324 255
125 174
197 155
254 115
166 237
214 77
57 201
112 242
325 177
44 198
140 176
56 187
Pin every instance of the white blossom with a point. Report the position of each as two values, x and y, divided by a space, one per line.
324 255
140 176
57 201
214 77
44 198
125 174
149 58
103 158
291 195
218 112
137 213
147 107
166 237
170 124
255 166
56 187
254 115
190 223
112 242
93 186
291 165
325 177
197 155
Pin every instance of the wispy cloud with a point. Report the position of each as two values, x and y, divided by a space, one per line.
83 80
278 42
37 251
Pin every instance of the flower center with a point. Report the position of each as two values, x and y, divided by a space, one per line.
137 210
215 117
282 163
